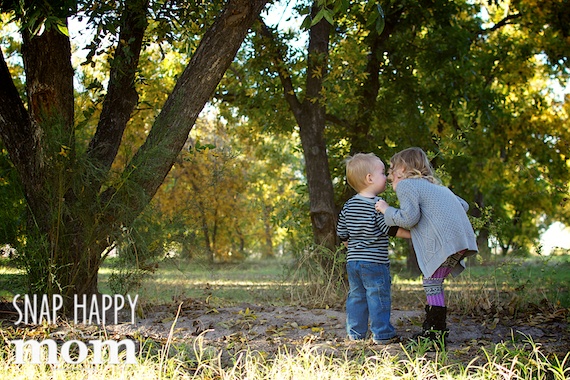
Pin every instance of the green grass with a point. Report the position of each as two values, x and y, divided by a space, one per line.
518 283
227 284
505 282
12 280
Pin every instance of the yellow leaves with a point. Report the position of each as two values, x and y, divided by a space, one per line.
237 339
169 318
316 328
195 28
493 324
547 316
276 331
248 314
64 151
247 319
213 311
464 350
318 72
284 73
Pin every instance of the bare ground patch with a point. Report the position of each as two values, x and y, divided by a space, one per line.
269 329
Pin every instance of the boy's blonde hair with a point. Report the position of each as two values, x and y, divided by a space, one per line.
415 163
358 167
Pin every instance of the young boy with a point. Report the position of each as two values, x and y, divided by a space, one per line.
363 231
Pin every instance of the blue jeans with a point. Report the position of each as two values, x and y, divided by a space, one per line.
369 298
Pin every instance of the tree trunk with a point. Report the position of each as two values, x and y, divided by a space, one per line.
310 116
412 260
268 232
483 235
358 130
321 194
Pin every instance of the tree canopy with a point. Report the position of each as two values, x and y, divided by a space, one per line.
90 141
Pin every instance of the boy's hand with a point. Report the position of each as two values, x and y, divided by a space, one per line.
381 206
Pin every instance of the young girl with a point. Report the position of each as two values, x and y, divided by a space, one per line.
441 232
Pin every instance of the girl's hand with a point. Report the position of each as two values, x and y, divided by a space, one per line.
381 206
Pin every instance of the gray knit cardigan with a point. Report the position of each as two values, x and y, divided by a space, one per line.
437 220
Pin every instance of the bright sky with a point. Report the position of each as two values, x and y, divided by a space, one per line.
557 235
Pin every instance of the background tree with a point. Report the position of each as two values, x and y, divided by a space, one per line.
226 192
300 97
502 128
447 75
463 80
309 113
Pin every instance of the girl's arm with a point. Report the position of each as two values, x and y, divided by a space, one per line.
463 203
409 213
381 206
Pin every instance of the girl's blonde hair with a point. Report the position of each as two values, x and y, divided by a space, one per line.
358 167
415 164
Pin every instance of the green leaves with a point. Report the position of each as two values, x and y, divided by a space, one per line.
36 16
377 18
329 9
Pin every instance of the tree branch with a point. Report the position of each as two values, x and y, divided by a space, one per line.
154 159
500 24
121 96
277 56
16 127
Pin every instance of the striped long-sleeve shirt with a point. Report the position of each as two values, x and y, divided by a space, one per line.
365 230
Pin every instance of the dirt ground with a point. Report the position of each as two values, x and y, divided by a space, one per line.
266 329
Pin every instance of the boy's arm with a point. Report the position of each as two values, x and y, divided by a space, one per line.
403 233
341 230
399 232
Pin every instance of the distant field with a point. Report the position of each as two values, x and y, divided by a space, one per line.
221 283
532 280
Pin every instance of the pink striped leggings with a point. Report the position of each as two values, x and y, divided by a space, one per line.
433 286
